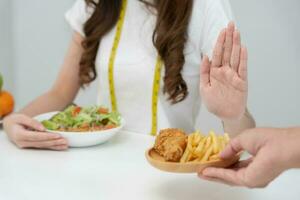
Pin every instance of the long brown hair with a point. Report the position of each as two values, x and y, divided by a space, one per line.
169 38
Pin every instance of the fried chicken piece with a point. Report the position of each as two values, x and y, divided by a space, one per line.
171 143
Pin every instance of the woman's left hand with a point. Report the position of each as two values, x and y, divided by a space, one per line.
224 85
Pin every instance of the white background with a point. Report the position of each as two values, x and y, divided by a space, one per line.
34 39
6 65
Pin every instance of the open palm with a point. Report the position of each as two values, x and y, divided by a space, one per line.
224 85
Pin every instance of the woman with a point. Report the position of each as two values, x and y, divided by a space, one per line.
147 56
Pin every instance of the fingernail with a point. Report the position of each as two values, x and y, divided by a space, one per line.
64 143
205 172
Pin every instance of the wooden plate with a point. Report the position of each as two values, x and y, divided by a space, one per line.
158 162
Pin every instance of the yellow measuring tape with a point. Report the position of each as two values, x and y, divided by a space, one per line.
113 54
157 74
155 94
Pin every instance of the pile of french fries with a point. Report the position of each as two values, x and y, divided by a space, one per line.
204 149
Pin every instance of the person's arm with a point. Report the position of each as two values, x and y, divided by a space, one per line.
224 82
234 127
273 151
65 87
27 132
292 156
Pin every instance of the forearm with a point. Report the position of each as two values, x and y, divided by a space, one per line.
234 127
48 102
290 145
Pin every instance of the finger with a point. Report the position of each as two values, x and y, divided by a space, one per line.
218 50
250 140
214 180
228 43
30 123
233 148
242 164
205 71
226 175
243 71
35 136
59 148
45 144
236 49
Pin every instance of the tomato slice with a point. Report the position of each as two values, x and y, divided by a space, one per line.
76 111
103 111
110 126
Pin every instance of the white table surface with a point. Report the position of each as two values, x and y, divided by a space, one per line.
115 170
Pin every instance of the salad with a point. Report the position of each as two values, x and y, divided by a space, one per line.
82 119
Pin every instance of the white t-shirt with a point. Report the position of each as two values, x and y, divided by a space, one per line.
135 64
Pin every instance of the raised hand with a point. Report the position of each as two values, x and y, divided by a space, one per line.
224 85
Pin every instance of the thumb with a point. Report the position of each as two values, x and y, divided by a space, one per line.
251 140
205 71
30 123
233 148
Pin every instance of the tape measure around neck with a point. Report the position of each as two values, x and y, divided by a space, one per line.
157 73
113 54
155 94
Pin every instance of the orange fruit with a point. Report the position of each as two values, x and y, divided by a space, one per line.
6 103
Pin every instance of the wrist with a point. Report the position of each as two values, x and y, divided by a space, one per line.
237 118
238 125
290 147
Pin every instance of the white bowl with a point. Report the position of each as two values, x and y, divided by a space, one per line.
83 139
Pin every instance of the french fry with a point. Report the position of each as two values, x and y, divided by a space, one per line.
190 142
221 142
200 146
194 142
197 139
188 149
207 143
190 156
207 154
199 151
214 157
215 142
185 155
203 149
